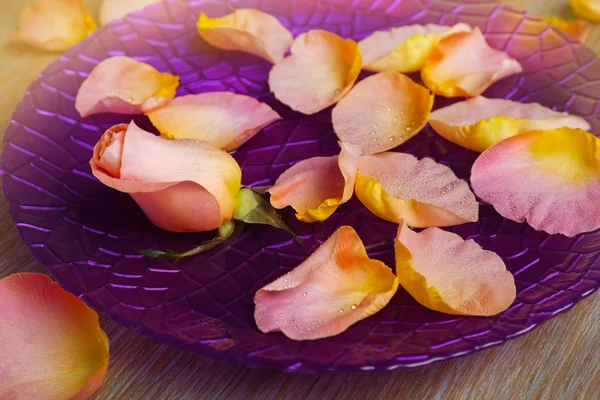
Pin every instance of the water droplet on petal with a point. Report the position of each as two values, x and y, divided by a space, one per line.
304 294
341 310
354 306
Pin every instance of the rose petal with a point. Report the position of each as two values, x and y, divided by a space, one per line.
316 187
125 86
182 185
337 286
465 66
423 193
382 112
586 9
111 10
480 123
547 177
51 343
445 273
54 25
223 119
321 70
404 49
247 30
579 29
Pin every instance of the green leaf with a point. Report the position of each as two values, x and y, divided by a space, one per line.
223 233
253 209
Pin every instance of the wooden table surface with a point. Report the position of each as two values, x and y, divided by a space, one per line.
559 360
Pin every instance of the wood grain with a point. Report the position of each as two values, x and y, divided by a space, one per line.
559 360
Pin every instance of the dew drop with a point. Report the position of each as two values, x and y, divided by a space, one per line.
408 128
354 306
276 322
304 294
341 310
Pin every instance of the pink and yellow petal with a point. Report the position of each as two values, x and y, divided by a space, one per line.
111 10
247 30
549 178
123 85
445 273
586 9
465 66
54 25
382 112
399 187
404 49
480 123
225 120
70 358
316 187
321 70
182 185
336 287
579 29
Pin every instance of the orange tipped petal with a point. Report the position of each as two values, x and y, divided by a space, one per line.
382 112
111 10
480 123
123 85
337 286
465 66
316 187
549 178
223 119
51 343
321 70
445 273
247 30
579 29
586 9
399 187
182 185
54 25
404 49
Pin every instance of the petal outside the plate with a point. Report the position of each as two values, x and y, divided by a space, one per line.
54 25
51 343
111 10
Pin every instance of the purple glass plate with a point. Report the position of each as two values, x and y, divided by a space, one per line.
89 236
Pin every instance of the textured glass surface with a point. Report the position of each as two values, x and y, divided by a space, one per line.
89 235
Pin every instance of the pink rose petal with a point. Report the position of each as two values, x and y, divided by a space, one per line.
51 343
549 178
316 187
465 66
248 30
445 273
181 185
123 85
225 120
337 286
398 187
321 70
480 123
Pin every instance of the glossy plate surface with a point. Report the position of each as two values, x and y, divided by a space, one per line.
89 235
